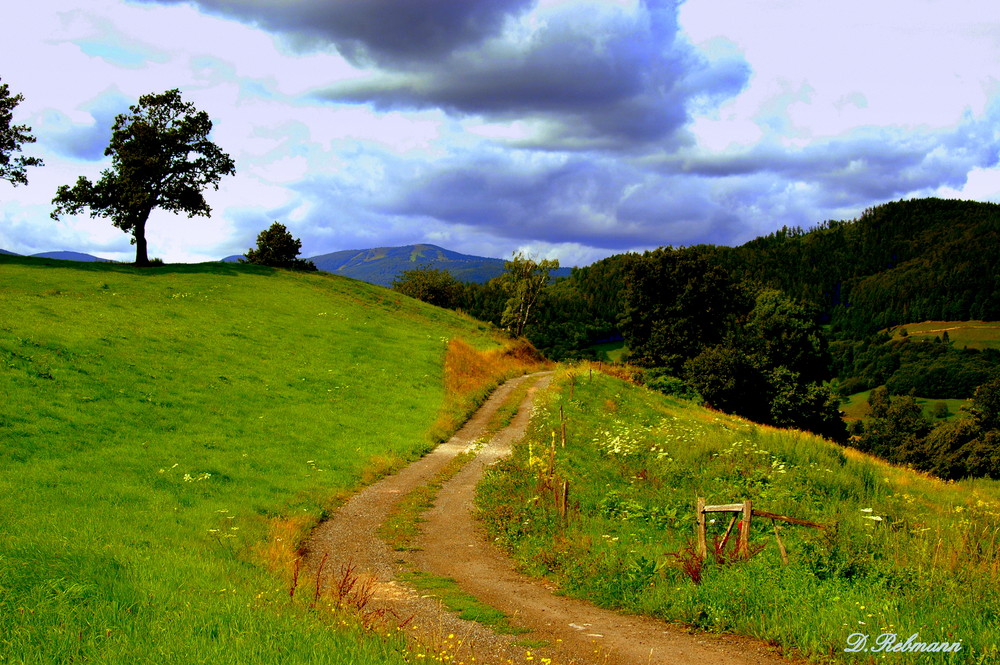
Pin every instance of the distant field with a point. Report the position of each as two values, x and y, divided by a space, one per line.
973 334
610 351
856 407
167 436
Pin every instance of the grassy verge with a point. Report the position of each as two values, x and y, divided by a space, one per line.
168 435
903 553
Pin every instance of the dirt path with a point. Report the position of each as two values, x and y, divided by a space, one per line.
451 545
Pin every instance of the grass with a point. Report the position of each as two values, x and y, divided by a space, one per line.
973 334
612 352
168 435
903 552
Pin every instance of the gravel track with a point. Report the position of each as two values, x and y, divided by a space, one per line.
451 544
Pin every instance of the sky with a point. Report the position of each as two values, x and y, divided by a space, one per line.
565 129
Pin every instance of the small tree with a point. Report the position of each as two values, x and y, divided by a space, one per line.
160 158
277 248
432 285
12 137
523 281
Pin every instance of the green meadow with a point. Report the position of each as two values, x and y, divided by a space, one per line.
902 553
167 437
973 334
855 407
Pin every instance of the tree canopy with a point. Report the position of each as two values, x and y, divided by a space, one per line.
161 157
523 281
12 137
432 285
676 303
277 248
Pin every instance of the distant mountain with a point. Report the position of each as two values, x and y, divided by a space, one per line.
63 256
235 258
381 265
70 256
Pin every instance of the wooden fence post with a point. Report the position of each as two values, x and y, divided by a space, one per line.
781 545
702 538
743 544
562 425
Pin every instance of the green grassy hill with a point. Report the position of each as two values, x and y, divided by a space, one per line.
902 552
167 434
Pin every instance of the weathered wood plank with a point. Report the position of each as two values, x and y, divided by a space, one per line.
727 508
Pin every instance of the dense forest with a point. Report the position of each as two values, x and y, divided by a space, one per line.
780 328
925 259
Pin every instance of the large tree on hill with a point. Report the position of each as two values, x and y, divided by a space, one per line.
161 157
276 247
12 138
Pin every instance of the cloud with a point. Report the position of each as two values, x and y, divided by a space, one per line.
866 164
561 199
374 32
590 75
593 77
86 134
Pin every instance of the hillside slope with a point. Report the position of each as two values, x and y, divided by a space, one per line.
166 436
609 515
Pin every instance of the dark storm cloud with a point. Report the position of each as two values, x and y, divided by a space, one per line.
595 77
391 33
593 202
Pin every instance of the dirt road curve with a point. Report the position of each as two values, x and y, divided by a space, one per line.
452 545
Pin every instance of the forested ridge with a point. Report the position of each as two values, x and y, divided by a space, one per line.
905 261
781 328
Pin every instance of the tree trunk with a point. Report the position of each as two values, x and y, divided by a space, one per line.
139 233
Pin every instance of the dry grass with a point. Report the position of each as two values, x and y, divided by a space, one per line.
470 375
